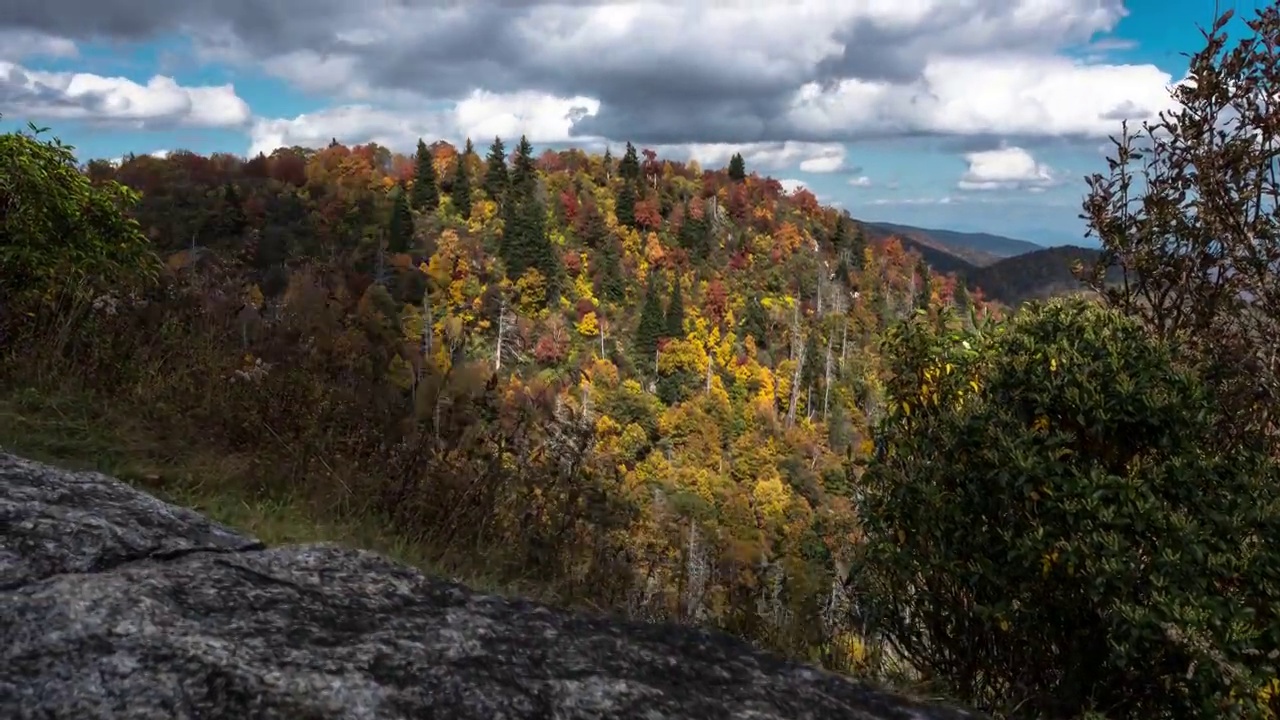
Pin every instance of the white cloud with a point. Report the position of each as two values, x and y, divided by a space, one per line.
860 181
45 95
790 185
1008 168
1005 94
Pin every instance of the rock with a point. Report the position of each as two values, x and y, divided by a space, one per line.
114 604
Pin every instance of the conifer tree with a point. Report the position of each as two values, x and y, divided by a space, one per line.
737 168
495 176
611 285
460 193
400 226
649 330
674 321
426 193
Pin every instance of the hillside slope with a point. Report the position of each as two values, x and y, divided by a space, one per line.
976 248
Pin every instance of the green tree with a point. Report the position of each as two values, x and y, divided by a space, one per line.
755 323
1051 525
737 168
924 284
673 322
426 191
460 193
649 331
625 206
495 177
609 282
695 236
400 224
60 232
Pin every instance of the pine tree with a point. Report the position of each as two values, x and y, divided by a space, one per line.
673 323
625 206
924 290
610 284
400 226
651 320
858 247
460 193
737 168
629 168
426 193
695 237
840 237
524 175
960 297
755 324
495 176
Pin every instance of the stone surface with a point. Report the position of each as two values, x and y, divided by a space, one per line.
116 605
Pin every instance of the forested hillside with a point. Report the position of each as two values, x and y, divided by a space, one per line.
698 347
646 387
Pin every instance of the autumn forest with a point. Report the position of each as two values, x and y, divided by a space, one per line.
634 385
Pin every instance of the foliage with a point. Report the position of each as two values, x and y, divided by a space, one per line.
1052 527
1189 214
58 230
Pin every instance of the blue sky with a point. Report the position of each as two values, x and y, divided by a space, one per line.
976 115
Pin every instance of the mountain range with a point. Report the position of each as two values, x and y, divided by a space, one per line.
1006 269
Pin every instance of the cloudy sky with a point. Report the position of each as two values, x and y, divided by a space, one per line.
963 114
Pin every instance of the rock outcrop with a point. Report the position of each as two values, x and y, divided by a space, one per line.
114 604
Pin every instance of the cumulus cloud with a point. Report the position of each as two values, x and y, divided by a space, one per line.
667 73
1009 168
117 100
860 181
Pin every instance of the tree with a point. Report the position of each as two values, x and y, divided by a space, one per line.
58 229
649 331
625 206
1052 525
924 286
1188 214
495 177
673 322
426 192
400 224
737 168
610 285
460 193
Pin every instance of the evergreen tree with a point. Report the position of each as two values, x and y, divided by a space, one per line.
426 193
629 168
924 290
858 247
625 206
737 168
460 192
673 323
754 323
964 303
495 176
400 226
608 162
695 237
610 284
525 242
840 237
649 330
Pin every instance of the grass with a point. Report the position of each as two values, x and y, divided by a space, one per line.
77 433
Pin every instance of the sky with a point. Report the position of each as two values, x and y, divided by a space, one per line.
970 115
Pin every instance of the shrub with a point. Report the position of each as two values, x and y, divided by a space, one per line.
1049 531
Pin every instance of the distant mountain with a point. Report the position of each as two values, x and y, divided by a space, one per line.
975 248
1035 275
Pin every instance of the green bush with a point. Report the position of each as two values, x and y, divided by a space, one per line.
1051 533
58 231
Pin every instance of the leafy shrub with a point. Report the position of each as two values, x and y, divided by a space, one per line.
1050 531
59 229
